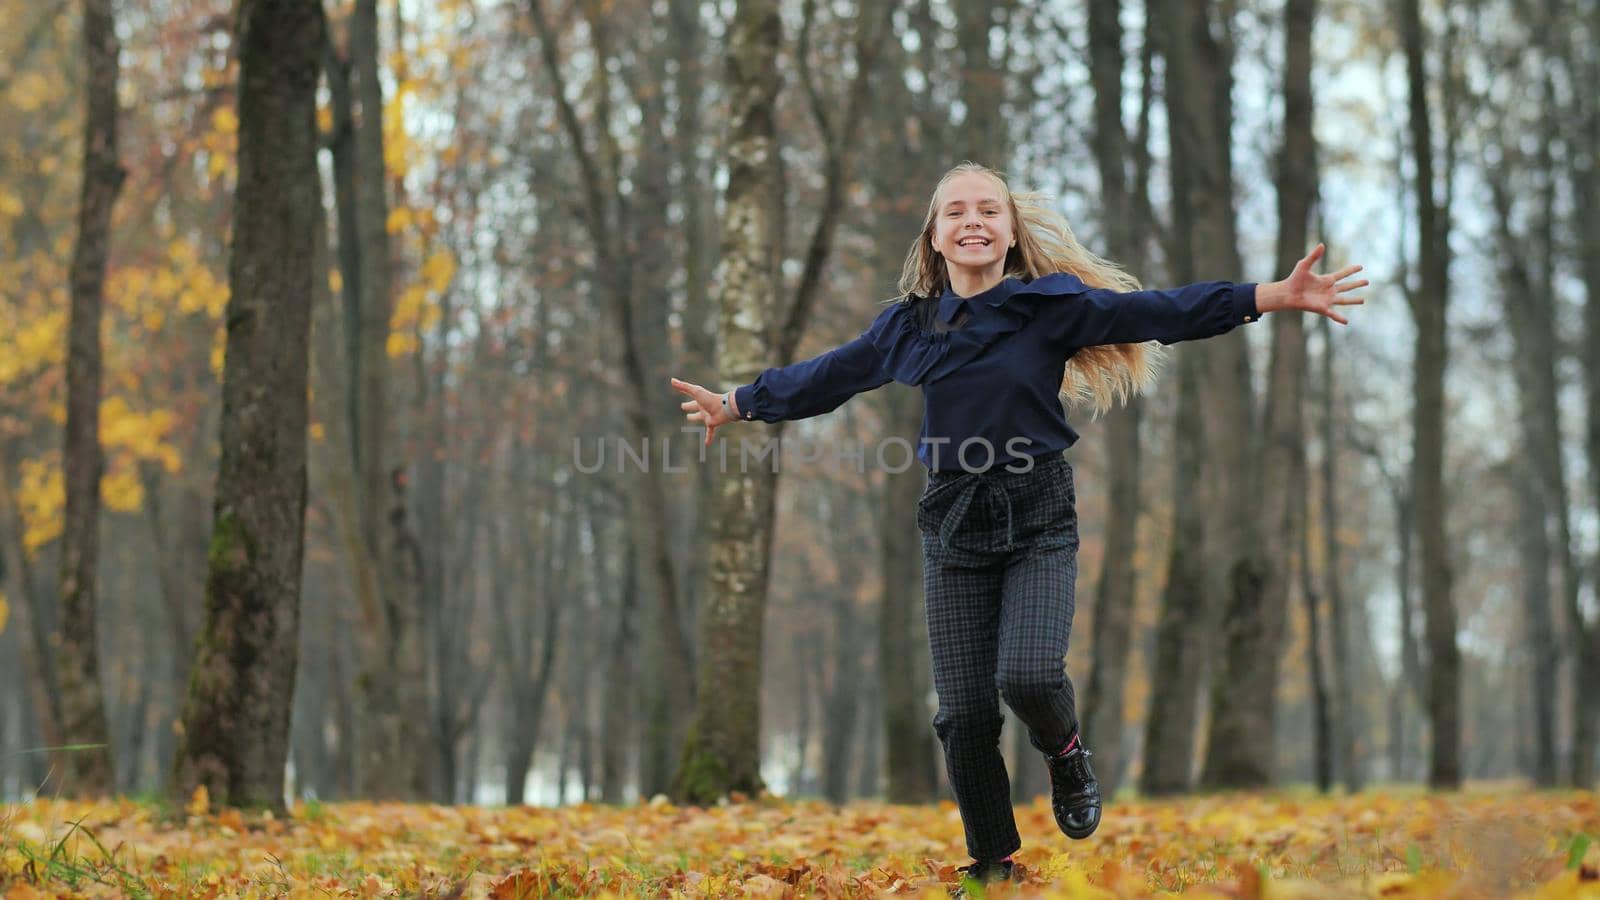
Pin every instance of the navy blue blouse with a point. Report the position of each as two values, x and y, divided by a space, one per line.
990 365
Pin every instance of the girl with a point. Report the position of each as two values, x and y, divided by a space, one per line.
1004 311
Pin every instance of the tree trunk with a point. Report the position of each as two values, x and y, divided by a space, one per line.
1321 727
1115 594
621 673
1245 714
1539 488
89 770
236 720
1586 188
1347 711
910 753
841 711
1428 305
1239 751
721 752
393 745
1213 519
1173 717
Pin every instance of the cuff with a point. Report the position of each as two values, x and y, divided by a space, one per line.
1243 299
745 399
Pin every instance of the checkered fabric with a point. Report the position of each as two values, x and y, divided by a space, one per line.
1000 565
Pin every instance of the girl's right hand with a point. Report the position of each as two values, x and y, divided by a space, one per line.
702 406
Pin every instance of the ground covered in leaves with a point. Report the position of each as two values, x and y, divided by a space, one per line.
1485 844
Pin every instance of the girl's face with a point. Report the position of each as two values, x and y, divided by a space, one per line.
972 227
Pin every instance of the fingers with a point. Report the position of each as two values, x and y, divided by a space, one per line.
689 404
1339 289
685 387
1314 255
1337 318
1346 272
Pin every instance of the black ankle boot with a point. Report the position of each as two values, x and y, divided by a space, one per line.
989 872
1074 792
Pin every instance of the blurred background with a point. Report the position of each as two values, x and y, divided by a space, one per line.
1337 556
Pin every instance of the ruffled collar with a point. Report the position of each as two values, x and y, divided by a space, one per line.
951 304
913 355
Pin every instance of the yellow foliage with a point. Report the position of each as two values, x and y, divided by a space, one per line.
335 281
121 490
199 802
35 344
5 612
138 435
401 343
225 120
41 495
1256 845
399 219
216 165
437 271
30 91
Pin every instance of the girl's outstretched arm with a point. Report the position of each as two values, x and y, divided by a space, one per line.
798 391
1094 316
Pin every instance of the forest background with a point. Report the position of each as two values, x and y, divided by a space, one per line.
526 216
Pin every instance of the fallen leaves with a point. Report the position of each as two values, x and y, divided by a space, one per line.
1239 846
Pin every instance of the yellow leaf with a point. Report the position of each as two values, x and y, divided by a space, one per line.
437 270
30 91
401 343
5 612
399 219
317 433
199 801
225 120
122 491
41 495
217 165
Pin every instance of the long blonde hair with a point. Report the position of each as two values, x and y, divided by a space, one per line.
1096 377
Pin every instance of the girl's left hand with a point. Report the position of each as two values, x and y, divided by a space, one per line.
1308 291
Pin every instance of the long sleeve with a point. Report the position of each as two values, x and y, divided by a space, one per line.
1096 316
817 385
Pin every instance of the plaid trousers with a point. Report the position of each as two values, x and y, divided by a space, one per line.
1000 565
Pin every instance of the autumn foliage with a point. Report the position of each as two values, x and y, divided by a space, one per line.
1488 844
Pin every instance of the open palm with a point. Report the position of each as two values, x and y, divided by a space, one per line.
1308 291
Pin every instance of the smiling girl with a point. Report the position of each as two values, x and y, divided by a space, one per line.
1002 313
